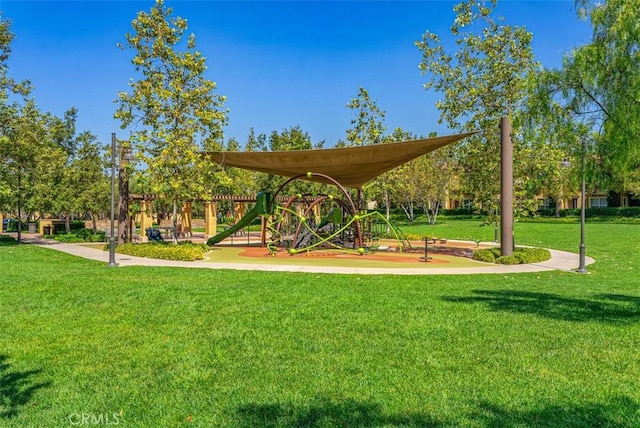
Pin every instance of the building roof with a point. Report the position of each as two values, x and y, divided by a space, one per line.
350 166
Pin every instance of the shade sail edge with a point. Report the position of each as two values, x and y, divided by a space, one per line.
350 166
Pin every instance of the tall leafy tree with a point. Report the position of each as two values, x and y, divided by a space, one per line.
599 83
367 128
14 116
550 137
367 125
8 85
172 108
483 80
22 148
86 175
435 178
396 185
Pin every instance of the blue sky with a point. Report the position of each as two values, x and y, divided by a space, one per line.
279 64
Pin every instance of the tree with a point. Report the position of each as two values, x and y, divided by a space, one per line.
436 178
484 80
368 128
13 118
88 179
173 106
599 83
368 123
397 185
21 149
38 150
550 137
293 138
8 85
58 186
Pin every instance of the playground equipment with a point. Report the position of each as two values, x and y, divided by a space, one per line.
350 167
308 222
261 208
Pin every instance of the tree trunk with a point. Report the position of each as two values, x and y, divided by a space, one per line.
175 222
94 225
67 222
435 212
123 200
408 211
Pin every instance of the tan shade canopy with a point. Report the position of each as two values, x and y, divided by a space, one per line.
350 166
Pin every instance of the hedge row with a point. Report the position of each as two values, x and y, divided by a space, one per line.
81 235
593 212
183 251
520 256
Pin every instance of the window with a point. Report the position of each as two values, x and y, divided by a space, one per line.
598 203
467 204
544 203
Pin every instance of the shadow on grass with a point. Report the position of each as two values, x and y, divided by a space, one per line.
328 413
606 308
16 388
618 413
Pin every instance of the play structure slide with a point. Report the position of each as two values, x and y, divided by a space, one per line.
261 208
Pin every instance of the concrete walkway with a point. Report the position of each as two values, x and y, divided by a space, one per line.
560 260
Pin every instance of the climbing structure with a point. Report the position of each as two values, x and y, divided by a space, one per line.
326 220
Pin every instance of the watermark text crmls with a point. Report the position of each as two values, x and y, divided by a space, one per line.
89 419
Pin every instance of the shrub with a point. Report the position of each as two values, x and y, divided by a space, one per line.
520 256
507 260
68 238
532 255
186 251
202 246
76 224
487 255
99 236
81 235
7 240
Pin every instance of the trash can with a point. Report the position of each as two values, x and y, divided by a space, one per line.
32 228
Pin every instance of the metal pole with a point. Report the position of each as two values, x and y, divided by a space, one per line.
582 266
506 188
426 257
112 238
19 229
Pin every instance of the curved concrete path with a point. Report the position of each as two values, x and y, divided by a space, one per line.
560 260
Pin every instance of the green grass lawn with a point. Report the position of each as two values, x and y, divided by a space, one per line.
167 347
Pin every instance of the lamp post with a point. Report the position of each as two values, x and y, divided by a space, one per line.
582 265
112 238
583 204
